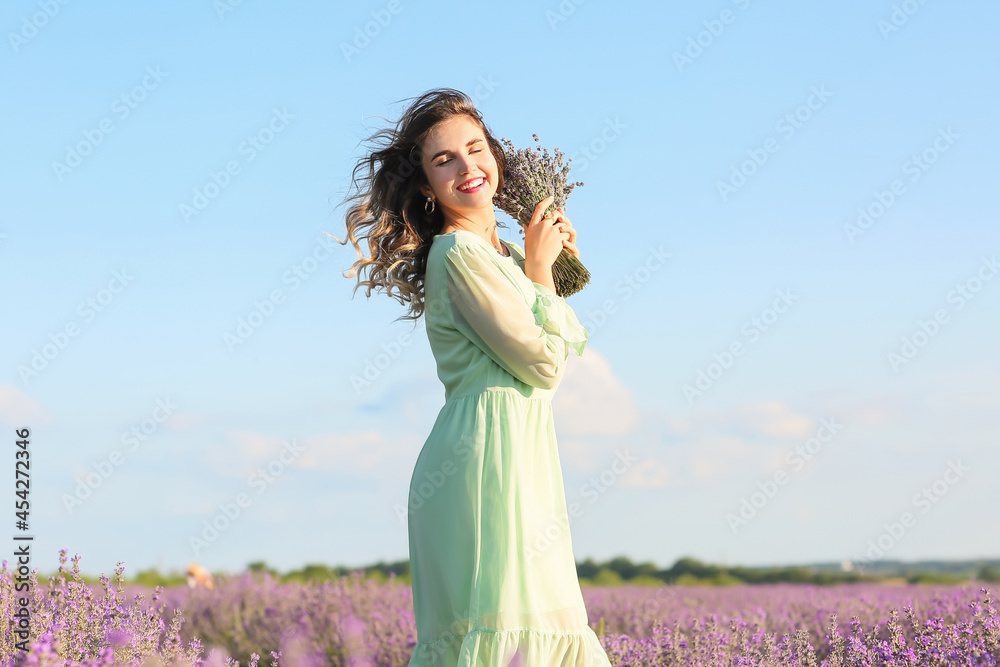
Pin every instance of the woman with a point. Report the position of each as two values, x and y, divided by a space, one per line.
493 573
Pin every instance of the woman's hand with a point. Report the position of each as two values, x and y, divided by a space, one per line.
567 226
544 238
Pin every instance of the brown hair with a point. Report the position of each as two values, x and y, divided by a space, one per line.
389 206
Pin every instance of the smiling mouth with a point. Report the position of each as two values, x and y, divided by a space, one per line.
472 185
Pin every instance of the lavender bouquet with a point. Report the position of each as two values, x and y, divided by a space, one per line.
531 176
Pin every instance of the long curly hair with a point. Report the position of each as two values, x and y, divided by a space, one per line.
387 207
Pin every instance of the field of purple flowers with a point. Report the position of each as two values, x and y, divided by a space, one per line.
353 622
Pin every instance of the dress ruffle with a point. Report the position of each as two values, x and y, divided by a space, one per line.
512 648
553 314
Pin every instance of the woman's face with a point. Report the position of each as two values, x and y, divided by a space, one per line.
459 166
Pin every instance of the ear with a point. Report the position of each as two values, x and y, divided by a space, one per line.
426 190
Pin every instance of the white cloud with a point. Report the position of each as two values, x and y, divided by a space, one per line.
776 419
18 410
255 447
591 400
360 452
695 421
648 473
773 419
579 453
185 421
366 453
596 414
717 448
593 412
871 410
713 456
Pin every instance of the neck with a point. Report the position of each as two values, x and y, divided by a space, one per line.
480 221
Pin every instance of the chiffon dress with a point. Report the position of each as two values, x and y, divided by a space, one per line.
492 569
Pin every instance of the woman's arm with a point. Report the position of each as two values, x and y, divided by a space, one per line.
540 274
531 342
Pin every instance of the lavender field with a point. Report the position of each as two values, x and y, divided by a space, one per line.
254 620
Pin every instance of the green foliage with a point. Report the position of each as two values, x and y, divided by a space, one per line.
693 568
259 567
380 572
935 578
588 569
831 578
311 574
686 571
399 568
607 577
604 577
152 578
689 580
717 580
644 580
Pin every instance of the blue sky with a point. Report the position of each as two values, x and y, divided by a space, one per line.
741 315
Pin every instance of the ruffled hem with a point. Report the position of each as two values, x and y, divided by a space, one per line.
554 315
484 647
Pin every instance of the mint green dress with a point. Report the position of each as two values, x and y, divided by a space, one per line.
493 574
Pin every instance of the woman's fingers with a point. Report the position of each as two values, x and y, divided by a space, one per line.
541 206
564 221
566 226
569 245
560 221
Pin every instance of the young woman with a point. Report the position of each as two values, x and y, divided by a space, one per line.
491 561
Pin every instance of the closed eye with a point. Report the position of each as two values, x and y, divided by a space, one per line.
478 150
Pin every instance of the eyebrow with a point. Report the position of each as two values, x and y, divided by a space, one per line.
447 152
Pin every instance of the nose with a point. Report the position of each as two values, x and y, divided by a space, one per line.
468 164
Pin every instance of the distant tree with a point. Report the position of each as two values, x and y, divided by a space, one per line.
646 569
693 567
312 572
607 577
588 569
259 567
152 578
399 568
623 566
935 578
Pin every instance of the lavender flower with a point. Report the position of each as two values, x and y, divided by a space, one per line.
352 621
531 176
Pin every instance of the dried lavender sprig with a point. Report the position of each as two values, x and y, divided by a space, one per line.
531 176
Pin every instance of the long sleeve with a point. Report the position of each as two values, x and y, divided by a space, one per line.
532 342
